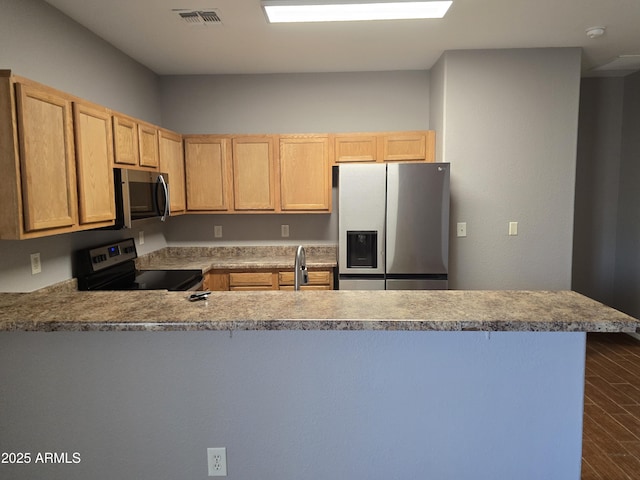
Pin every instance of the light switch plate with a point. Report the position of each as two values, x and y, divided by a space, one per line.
513 228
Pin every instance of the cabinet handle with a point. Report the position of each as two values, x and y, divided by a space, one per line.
166 210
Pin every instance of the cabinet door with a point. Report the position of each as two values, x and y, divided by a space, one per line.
216 282
356 148
125 131
94 169
409 146
149 149
254 185
305 173
172 162
47 161
207 168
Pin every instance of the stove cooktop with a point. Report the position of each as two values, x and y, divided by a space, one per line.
112 267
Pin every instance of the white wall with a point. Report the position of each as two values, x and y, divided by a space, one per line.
296 405
510 127
40 43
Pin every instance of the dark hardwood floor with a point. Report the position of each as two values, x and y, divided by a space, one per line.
611 438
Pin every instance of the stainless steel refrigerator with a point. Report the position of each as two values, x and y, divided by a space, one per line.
393 226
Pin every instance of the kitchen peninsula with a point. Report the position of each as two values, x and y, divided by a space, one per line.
395 384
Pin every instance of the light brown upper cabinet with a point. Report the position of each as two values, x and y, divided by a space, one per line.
46 181
136 143
172 163
254 173
414 146
208 173
125 132
94 159
305 173
356 148
408 146
45 133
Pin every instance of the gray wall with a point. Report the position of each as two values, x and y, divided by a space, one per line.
627 281
506 120
606 261
597 181
510 127
287 103
296 103
40 43
295 405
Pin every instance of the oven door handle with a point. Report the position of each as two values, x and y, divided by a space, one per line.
166 211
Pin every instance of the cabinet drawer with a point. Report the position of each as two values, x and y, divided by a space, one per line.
315 278
307 287
250 288
244 279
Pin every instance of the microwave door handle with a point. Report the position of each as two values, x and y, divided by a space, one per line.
166 212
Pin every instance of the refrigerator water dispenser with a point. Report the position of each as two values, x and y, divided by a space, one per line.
362 247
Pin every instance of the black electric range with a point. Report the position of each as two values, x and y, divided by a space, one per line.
112 267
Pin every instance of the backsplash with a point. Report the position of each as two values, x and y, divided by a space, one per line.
233 251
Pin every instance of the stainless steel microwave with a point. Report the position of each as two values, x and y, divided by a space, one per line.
140 197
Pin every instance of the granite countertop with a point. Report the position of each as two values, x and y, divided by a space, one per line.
236 258
444 310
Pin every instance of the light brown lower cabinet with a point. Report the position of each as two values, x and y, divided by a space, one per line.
318 280
265 280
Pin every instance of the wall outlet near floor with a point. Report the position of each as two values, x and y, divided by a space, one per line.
36 266
284 230
461 229
217 462
217 231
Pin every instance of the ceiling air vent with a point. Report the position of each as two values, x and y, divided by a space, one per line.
199 17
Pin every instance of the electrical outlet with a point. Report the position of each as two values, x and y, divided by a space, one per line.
461 229
513 228
141 237
36 266
284 230
217 462
217 231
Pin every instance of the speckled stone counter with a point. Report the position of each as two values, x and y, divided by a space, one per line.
236 258
450 310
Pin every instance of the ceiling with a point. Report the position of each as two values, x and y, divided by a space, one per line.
243 42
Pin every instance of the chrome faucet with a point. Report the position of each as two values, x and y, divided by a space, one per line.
300 274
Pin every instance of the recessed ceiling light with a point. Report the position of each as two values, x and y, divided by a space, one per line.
283 11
